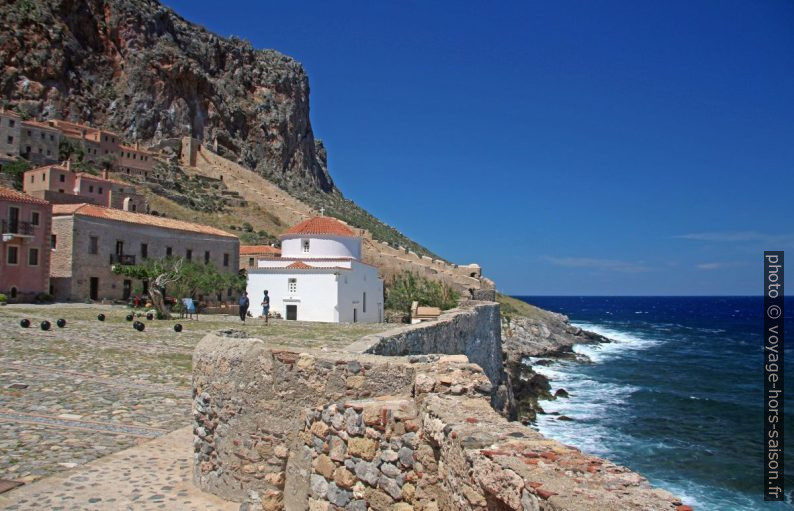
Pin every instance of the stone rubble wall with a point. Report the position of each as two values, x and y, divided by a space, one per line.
473 329
250 404
355 430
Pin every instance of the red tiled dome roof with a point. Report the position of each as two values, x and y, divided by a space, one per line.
321 225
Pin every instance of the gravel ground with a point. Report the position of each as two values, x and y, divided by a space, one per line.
74 394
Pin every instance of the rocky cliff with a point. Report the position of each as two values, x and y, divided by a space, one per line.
136 67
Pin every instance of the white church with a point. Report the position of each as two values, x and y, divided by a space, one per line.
318 277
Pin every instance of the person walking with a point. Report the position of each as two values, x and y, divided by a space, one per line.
266 307
243 303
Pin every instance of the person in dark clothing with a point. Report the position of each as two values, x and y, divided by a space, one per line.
266 307
243 303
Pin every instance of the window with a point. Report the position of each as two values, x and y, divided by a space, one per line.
10 139
52 138
144 250
189 254
60 190
364 303
100 190
93 245
168 251
34 218
90 188
30 133
42 136
12 255
32 178
33 257
11 123
226 259
62 178
206 257
250 261
305 246
292 286
53 242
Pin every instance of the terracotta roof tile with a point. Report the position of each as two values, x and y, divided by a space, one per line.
15 196
299 265
321 225
259 250
136 218
39 125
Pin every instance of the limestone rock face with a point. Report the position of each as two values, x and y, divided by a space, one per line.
136 67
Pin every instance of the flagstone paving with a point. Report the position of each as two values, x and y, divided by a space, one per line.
71 395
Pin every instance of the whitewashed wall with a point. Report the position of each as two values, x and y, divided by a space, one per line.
321 247
352 286
316 295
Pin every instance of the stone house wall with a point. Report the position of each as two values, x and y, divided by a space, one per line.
73 265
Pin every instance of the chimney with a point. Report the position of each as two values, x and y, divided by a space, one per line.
68 164
105 174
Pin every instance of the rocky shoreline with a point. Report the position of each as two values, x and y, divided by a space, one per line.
542 334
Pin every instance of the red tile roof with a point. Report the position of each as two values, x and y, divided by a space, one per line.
259 250
15 196
38 124
135 218
299 265
320 225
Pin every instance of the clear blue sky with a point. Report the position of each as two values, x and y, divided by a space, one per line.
571 147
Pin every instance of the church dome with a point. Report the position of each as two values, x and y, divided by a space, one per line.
320 225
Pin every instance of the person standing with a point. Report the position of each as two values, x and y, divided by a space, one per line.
266 307
243 303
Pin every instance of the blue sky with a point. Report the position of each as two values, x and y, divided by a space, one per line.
571 147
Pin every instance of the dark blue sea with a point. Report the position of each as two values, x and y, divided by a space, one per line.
678 397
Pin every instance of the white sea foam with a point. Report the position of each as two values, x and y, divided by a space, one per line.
591 403
621 341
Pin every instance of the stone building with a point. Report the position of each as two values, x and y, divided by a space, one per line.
25 245
251 254
10 125
319 276
58 184
35 141
106 148
90 239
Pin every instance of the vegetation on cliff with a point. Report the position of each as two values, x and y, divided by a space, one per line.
406 288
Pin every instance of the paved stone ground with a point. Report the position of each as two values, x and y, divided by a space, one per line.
155 475
69 396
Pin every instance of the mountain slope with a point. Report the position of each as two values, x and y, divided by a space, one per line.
136 67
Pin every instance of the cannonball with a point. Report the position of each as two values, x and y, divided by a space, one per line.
140 326
61 323
130 317
150 316
25 323
101 317
177 328
45 325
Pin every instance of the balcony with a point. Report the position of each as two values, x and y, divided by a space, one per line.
122 259
17 228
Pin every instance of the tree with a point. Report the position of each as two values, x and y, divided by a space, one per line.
159 272
185 279
16 169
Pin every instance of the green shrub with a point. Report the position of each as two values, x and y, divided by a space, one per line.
44 298
407 287
3 298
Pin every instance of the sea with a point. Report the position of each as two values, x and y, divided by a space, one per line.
677 397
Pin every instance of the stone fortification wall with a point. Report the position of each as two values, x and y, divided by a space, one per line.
473 329
250 403
356 431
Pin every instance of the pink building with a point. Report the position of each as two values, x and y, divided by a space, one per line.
25 245
59 185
